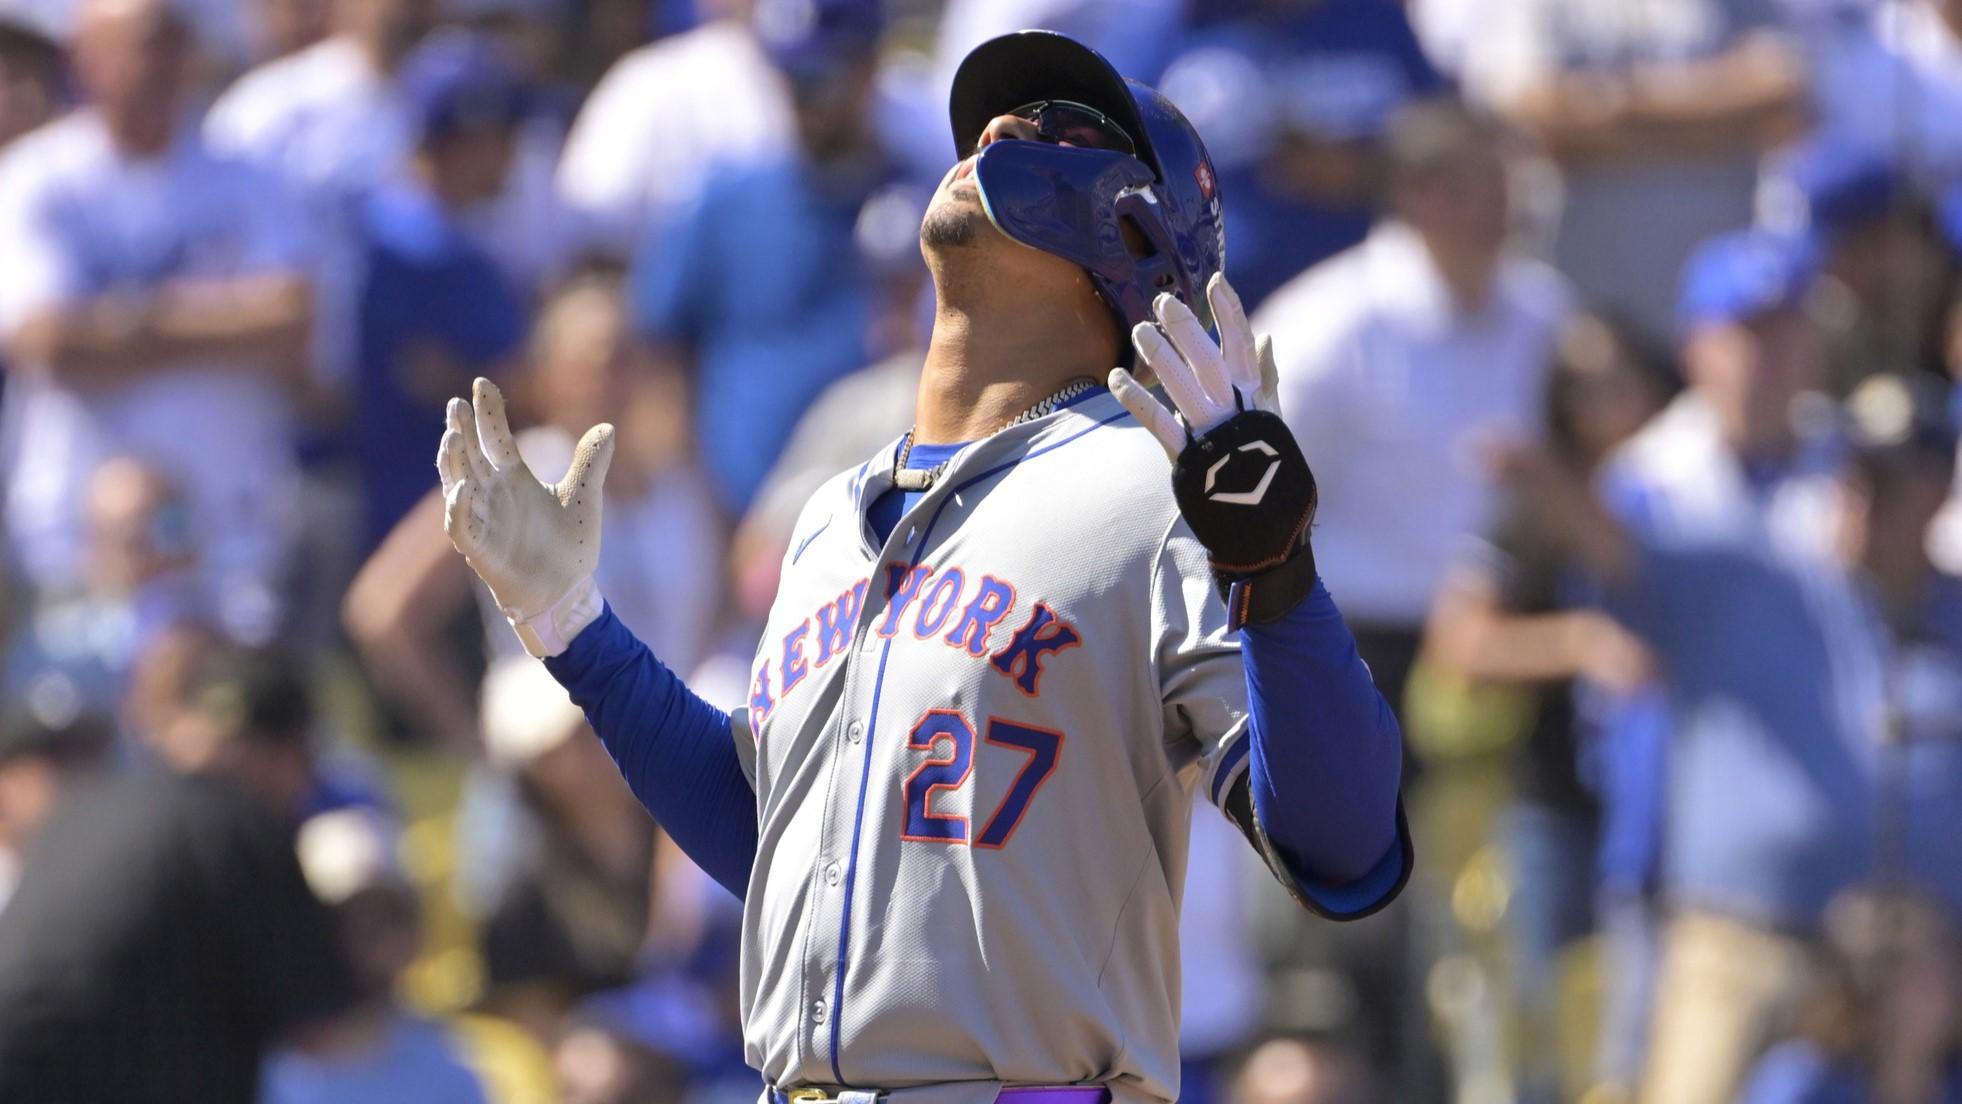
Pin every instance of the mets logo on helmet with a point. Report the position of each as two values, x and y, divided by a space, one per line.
1203 173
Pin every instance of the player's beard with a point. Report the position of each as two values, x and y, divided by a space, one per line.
949 226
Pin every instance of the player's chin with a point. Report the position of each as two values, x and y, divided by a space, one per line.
953 220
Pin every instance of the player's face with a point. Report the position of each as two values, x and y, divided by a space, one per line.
955 215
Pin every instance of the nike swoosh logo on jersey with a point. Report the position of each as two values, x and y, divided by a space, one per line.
806 542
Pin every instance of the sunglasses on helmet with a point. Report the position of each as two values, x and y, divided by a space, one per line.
1064 121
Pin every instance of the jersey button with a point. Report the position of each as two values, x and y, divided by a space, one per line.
817 1011
855 732
831 874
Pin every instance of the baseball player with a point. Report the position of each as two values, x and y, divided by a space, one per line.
1005 656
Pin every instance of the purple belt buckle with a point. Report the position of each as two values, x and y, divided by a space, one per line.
1057 1094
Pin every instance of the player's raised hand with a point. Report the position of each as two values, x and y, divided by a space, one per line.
1207 382
534 544
1238 475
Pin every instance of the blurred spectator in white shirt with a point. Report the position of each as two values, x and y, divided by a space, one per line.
661 118
1394 356
1654 113
153 305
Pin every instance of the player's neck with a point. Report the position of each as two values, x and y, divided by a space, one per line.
979 376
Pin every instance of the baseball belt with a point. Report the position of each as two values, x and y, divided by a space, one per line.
1015 1094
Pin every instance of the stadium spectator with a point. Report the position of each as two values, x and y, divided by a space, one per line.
1749 566
326 120
153 305
283 28
1883 263
661 561
1884 1014
1889 83
666 114
162 937
47 745
1293 97
435 310
848 421
387 1051
569 914
140 579
1513 611
335 121
1393 355
761 286
1654 116
1138 36
1902 463
1883 1021
30 74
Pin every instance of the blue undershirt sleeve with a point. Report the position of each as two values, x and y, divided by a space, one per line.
674 749
1326 759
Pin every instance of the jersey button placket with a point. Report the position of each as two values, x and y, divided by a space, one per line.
854 732
833 874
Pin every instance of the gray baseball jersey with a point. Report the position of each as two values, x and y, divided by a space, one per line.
975 751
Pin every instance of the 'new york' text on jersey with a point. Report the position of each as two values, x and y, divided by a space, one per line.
975 751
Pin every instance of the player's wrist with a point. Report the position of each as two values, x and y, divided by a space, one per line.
1269 596
551 631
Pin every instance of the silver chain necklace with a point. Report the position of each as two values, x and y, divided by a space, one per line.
920 479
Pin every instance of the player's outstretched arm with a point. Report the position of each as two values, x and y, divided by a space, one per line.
535 545
1326 759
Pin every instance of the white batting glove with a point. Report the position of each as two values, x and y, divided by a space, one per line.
1208 383
535 545
1238 475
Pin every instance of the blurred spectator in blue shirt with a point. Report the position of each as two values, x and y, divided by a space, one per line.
1294 97
1901 468
1752 567
434 309
140 580
761 284
1883 1022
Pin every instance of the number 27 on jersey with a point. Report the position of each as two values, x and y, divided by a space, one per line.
948 740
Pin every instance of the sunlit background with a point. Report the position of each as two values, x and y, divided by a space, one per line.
1530 265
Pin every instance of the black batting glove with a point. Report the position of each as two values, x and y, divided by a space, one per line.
1237 473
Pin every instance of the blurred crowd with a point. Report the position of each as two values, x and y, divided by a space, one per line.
1623 336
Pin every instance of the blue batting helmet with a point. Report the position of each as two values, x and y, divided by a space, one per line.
1138 224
